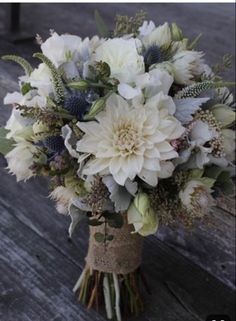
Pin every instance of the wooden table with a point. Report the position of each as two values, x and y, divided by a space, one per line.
191 275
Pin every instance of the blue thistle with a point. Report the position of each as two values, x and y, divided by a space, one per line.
152 55
77 105
54 144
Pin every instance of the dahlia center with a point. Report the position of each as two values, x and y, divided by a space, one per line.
127 139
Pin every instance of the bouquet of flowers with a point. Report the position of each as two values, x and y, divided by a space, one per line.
133 129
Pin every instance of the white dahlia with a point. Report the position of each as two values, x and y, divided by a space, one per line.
127 141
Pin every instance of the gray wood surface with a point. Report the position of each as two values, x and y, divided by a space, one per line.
39 265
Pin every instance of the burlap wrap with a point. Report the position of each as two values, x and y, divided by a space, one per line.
122 255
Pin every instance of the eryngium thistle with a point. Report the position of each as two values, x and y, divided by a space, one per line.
54 144
152 55
77 105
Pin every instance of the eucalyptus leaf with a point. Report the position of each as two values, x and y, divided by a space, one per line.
116 222
99 237
101 25
110 237
186 107
213 171
95 222
228 188
6 145
77 215
209 182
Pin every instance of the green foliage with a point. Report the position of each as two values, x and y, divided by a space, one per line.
100 70
222 66
196 89
95 222
80 85
21 61
56 77
99 237
97 106
101 25
114 220
194 42
222 178
129 25
25 88
6 145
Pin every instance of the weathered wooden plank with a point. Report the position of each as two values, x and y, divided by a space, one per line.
33 268
210 246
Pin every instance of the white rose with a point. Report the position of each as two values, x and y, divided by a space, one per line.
186 65
20 159
16 125
122 57
41 79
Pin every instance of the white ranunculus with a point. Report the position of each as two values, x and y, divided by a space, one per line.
159 36
122 57
16 125
142 215
196 196
146 28
20 159
13 98
187 65
42 80
65 48
149 84
64 196
60 49
31 99
129 140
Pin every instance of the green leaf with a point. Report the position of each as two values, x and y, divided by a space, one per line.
77 215
6 145
99 237
21 61
109 237
228 188
213 171
194 42
209 182
224 177
196 173
116 222
101 25
25 88
95 222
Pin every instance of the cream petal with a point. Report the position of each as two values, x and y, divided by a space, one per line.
95 166
169 155
152 164
150 177
164 147
167 169
120 177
